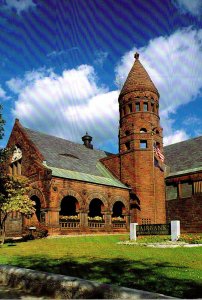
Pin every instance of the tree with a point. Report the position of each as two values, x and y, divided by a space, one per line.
13 190
14 198
2 123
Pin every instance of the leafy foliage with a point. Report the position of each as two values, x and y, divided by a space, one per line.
2 122
14 198
40 232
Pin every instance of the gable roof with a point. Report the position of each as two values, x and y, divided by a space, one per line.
138 79
71 160
184 156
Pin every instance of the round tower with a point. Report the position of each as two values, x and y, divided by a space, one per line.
139 132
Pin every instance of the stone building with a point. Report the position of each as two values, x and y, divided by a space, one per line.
79 189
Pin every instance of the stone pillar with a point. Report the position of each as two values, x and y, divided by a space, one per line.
84 220
127 218
108 220
133 231
175 230
52 220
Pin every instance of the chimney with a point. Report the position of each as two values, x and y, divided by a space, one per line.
87 141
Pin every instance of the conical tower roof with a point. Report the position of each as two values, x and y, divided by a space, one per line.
138 79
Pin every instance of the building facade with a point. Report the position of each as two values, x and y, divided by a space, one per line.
184 184
79 189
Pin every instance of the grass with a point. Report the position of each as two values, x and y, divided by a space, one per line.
176 272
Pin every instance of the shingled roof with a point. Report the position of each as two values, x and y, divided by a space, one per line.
71 160
138 79
184 156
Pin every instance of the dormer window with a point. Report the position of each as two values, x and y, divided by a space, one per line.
15 166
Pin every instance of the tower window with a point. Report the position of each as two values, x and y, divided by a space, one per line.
127 144
143 144
137 106
143 130
145 106
127 132
130 107
152 107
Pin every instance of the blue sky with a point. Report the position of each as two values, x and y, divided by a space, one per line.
63 64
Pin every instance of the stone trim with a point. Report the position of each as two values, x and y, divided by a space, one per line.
69 192
100 196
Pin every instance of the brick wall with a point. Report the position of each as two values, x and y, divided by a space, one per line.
188 211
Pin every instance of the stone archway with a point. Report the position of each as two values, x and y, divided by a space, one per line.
99 196
38 193
70 193
37 207
96 207
118 209
69 206
122 200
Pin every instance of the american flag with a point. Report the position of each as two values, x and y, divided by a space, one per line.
157 151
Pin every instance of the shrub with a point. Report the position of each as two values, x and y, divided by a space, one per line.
40 232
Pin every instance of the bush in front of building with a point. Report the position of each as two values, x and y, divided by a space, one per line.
40 232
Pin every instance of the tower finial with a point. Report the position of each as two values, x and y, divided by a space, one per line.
136 55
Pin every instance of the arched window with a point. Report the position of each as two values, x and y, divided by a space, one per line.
69 206
143 130
37 207
95 208
15 166
118 209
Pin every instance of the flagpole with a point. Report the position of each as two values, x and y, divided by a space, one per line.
153 171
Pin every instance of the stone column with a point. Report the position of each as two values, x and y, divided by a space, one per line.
52 220
108 220
127 218
84 220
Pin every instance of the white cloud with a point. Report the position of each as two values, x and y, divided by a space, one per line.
19 5
72 103
192 120
56 53
174 64
101 57
3 94
178 136
194 7
66 105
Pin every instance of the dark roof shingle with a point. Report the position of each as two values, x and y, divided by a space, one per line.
63 154
185 155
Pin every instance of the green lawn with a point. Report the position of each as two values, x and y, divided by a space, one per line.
176 272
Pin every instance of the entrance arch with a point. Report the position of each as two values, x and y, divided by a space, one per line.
37 207
69 206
